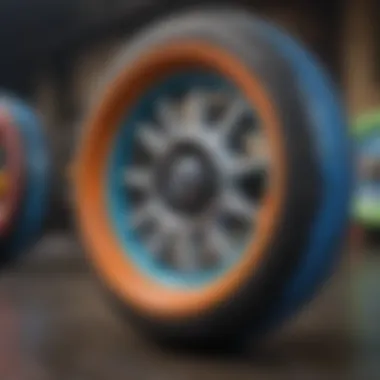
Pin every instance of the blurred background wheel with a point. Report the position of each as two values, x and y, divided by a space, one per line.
366 208
196 181
34 202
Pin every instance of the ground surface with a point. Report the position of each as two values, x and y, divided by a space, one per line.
55 324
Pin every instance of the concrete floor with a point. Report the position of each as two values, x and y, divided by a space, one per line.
56 325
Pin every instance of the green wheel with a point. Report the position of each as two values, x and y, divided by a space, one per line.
366 206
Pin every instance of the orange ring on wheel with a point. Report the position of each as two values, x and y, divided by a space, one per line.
105 251
15 167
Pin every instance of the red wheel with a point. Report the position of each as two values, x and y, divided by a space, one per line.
11 172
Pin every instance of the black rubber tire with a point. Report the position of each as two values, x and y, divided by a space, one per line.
232 319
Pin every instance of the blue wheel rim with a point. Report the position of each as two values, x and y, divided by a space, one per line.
334 150
120 207
34 205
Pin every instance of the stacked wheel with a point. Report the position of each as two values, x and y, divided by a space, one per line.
366 210
212 181
24 177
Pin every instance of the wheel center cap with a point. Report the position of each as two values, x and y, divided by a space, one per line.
186 180
189 182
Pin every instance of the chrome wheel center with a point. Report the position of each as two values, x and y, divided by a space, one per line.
187 177
204 159
188 180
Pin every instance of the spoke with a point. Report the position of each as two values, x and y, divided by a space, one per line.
218 243
238 206
151 139
248 165
193 108
138 178
185 257
143 214
157 241
233 114
167 115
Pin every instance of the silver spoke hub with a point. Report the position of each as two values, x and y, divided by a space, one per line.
197 204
